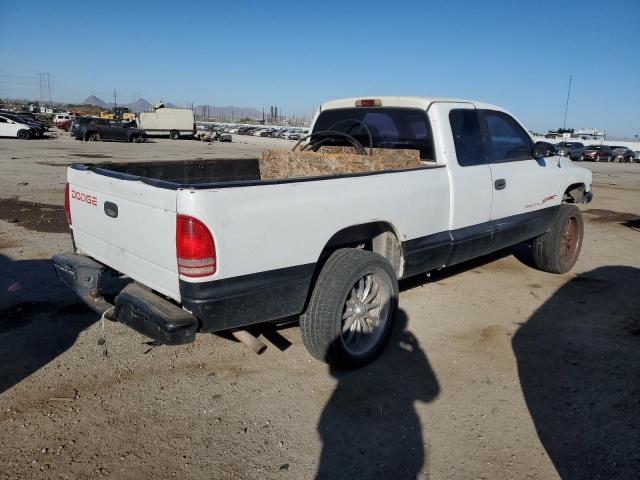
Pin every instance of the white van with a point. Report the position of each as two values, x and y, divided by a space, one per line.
175 122
62 117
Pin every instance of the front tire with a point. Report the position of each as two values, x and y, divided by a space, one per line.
351 310
93 137
558 250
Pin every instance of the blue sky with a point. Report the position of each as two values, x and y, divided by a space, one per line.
297 54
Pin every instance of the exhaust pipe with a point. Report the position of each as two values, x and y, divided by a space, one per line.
249 340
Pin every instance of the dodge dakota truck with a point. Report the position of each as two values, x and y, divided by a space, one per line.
382 189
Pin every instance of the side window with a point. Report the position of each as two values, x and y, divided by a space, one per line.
467 137
3 120
507 141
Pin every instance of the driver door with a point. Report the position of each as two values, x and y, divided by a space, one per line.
525 190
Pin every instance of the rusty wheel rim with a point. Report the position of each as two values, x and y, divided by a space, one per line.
570 241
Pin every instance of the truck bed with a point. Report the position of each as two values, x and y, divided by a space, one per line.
270 168
183 172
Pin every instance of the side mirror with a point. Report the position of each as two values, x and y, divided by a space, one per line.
543 149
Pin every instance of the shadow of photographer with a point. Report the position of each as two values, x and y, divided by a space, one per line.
369 427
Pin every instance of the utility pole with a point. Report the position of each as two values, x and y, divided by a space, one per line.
41 78
115 101
566 107
49 89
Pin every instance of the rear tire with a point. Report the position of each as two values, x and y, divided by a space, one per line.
351 310
558 250
174 135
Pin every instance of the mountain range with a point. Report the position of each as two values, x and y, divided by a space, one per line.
142 105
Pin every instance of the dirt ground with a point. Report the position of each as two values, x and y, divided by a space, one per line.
495 370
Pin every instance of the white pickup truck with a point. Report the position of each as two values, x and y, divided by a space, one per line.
214 245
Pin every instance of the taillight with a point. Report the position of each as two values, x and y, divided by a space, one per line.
195 248
67 203
369 102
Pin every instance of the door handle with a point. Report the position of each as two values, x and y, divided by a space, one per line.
500 184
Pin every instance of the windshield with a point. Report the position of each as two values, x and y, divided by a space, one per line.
390 127
594 147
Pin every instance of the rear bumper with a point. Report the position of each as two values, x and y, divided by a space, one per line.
210 306
135 306
248 299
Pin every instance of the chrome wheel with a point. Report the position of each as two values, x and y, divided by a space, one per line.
366 314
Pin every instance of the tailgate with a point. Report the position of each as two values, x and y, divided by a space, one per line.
128 225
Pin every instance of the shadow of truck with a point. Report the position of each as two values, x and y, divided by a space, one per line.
579 364
34 332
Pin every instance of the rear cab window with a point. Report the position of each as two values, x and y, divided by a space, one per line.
390 127
467 137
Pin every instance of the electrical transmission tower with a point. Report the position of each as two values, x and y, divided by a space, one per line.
45 88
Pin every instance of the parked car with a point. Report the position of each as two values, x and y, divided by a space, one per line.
78 121
211 133
294 134
36 129
598 153
222 136
12 127
573 150
28 118
113 130
65 125
209 250
622 154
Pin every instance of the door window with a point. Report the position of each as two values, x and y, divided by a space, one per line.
507 140
467 137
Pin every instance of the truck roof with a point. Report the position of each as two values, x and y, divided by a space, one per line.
398 101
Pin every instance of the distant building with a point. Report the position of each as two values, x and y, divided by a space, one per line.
581 133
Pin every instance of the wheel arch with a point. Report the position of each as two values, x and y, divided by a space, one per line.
575 193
